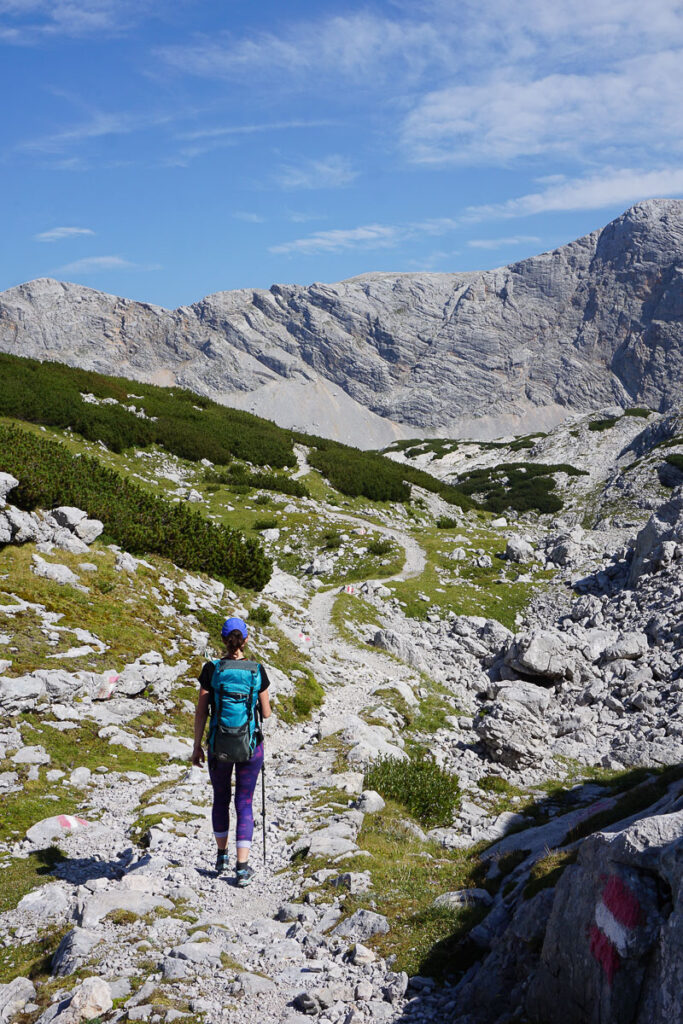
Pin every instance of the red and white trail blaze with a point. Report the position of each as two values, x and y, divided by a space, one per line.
68 821
616 916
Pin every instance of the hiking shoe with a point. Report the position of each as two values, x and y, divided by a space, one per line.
221 862
244 875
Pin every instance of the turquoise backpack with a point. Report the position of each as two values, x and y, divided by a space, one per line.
234 731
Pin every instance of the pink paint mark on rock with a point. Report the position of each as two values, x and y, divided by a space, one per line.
622 902
605 953
69 822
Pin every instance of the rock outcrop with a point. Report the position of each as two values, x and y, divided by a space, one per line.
593 323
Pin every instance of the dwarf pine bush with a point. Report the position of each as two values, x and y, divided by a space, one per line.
140 522
429 793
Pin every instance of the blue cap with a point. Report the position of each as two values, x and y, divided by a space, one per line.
234 623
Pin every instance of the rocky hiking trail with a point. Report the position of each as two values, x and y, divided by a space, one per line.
220 952
529 871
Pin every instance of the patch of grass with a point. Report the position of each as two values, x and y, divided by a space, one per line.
18 811
122 917
83 747
427 792
308 694
26 874
546 873
638 411
32 960
349 613
405 883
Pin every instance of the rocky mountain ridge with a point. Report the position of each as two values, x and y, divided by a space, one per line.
593 323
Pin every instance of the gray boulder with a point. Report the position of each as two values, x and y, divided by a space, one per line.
89 530
73 950
512 734
400 645
14 996
68 516
7 484
362 925
542 652
519 550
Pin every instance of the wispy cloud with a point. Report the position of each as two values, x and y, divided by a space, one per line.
30 21
502 243
100 264
367 236
221 131
331 172
616 187
97 125
358 46
249 218
57 234
635 105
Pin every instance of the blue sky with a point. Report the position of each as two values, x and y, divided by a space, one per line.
163 151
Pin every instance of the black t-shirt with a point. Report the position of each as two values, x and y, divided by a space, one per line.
208 669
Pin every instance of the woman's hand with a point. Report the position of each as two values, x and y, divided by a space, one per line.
198 757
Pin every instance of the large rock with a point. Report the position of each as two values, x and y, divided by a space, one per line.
603 945
44 832
519 550
513 734
14 996
362 925
97 907
73 950
7 484
400 645
56 572
89 530
543 652
610 927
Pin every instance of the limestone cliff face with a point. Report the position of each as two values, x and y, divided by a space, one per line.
596 322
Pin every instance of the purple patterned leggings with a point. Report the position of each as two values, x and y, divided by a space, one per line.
220 773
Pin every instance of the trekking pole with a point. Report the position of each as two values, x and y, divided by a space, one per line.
263 804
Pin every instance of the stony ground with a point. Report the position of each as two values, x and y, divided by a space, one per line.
550 715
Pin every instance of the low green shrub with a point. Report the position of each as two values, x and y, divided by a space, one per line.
427 792
638 411
260 615
522 486
137 520
446 523
604 424
262 499
266 524
675 460
380 547
332 540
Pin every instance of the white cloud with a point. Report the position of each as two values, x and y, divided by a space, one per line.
57 234
249 218
636 105
99 124
361 45
331 172
617 187
502 243
30 21
368 236
99 264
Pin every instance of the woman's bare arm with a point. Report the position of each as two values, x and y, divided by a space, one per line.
200 716
264 701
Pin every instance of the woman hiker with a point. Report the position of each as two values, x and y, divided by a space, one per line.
252 677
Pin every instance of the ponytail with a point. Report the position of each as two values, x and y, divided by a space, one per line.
234 642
